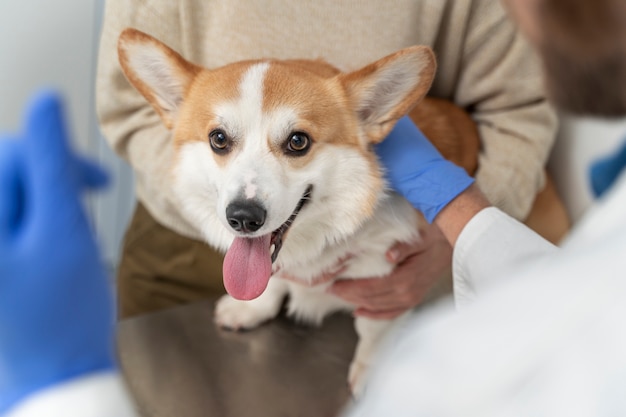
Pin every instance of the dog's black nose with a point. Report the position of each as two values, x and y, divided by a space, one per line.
245 216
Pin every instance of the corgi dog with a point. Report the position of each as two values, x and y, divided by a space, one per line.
274 164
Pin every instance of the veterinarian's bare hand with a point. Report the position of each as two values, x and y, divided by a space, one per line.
418 266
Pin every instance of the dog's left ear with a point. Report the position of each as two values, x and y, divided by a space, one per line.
156 71
387 89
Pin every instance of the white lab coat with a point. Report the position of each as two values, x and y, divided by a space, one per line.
543 333
101 394
542 330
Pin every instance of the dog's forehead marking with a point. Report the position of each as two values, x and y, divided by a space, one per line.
251 93
262 127
250 104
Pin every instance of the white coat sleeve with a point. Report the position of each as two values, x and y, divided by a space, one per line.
100 394
490 247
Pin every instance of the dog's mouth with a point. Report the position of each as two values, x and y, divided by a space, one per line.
248 261
277 235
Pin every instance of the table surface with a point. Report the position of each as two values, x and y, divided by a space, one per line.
178 363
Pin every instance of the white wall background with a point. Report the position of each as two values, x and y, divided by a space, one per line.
54 44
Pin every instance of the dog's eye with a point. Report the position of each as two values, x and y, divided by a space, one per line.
219 141
298 142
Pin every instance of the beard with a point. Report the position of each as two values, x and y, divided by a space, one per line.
590 86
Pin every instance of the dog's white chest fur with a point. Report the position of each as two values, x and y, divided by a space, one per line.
394 221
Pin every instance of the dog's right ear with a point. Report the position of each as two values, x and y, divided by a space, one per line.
156 71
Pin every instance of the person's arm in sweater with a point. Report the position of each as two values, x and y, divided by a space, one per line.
129 124
500 83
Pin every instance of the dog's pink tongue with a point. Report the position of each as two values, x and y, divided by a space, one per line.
248 267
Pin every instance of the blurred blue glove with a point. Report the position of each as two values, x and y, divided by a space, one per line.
417 171
56 309
605 171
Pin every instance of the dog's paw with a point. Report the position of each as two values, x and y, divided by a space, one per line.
239 315
357 378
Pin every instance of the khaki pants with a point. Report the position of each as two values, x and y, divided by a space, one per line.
160 268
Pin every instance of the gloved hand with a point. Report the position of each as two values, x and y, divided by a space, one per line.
56 309
417 171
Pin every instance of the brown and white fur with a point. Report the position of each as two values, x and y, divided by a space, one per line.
264 112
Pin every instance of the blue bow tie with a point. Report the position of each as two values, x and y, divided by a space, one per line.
605 171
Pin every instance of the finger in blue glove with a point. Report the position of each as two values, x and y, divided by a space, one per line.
11 187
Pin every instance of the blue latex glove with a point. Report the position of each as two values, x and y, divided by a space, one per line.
604 172
416 169
56 309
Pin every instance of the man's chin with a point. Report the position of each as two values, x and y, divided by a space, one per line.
610 106
593 88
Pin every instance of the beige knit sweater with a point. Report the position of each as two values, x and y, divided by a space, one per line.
483 66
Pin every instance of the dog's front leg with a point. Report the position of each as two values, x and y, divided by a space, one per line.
371 333
240 315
